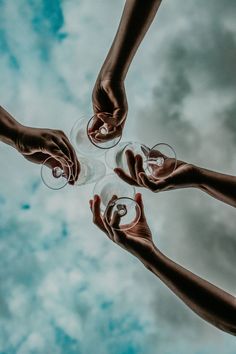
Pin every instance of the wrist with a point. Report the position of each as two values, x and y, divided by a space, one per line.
199 177
112 72
9 128
196 179
147 257
19 133
154 263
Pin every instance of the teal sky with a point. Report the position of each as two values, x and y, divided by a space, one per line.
64 288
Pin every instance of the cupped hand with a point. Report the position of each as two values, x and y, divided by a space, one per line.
110 107
185 175
136 240
37 144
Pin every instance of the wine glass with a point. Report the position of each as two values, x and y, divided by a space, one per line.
85 142
158 162
56 175
124 204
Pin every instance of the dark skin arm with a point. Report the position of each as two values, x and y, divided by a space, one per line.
208 301
218 185
37 144
109 90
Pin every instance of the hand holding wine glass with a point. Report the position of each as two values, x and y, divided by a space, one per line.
136 240
40 145
184 175
110 108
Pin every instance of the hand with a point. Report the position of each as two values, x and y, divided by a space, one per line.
109 97
137 240
184 175
36 145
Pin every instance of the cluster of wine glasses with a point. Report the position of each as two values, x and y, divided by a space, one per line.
158 162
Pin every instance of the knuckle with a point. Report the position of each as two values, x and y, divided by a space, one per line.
60 132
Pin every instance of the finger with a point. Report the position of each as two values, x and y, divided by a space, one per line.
120 115
118 236
97 220
139 201
96 124
145 150
108 211
108 119
115 221
114 119
125 177
138 168
64 146
147 182
54 150
76 166
131 163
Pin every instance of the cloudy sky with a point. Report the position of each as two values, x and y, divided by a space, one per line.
64 288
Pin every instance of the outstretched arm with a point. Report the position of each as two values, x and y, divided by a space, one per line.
218 185
36 144
135 21
211 303
109 91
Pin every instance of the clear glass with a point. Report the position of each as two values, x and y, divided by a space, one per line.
117 157
124 204
91 171
158 162
56 176
161 161
84 143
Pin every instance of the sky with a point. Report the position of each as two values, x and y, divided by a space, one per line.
64 288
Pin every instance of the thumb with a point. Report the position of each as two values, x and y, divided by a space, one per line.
139 201
114 119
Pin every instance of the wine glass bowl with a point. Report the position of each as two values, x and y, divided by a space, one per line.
158 162
117 156
103 129
55 174
124 205
84 136
127 210
161 161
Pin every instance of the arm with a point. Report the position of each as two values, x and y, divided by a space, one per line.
135 22
206 300
36 144
218 185
109 91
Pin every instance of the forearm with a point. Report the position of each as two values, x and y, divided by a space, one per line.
135 21
9 128
219 186
209 302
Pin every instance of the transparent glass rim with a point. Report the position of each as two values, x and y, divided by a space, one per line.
46 184
73 128
123 228
101 147
113 175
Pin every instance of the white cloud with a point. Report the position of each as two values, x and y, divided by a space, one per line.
76 280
